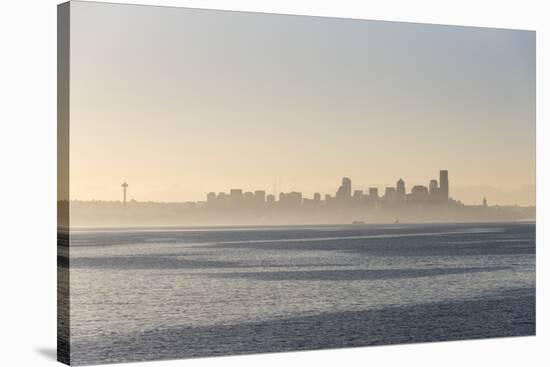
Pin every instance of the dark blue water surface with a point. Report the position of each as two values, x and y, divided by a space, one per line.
140 294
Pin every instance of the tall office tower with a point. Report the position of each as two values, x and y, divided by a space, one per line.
401 194
419 194
346 186
444 185
400 187
433 187
317 196
419 190
344 191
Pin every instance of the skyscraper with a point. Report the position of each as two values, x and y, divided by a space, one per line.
346 185
400 187
344 191
433 187
434 191
419 194
444 185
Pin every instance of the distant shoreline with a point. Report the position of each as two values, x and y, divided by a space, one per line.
146 228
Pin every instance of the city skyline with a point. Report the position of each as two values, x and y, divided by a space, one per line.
436 193
524 195
260 98
437 190
346 204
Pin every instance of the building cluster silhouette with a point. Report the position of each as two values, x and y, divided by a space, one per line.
398 203
437 192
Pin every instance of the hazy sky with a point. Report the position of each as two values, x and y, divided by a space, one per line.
179 102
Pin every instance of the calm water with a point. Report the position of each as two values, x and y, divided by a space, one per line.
157 294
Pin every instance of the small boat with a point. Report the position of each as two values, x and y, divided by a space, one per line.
396 221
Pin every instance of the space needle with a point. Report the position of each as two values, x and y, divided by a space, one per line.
124 187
